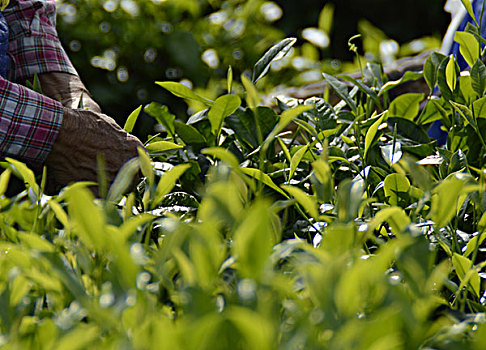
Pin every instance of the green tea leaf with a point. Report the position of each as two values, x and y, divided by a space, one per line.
222 107
396 217
431 69
294 163
326 17
162 115
253 240
478 77
88 219
442 79
451 74
464 112
167 183
162 146
189 134
467 4
371 134
285 119
123 180
4 180
252 98
341 90
308 203
469 47
23 172
395 186
275 53
224 154
132 119
406 106
229 79
408 76
146 165
263 178
180 90
444 200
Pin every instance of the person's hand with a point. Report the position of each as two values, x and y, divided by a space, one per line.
67 89
84 135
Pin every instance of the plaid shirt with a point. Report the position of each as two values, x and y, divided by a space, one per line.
29 122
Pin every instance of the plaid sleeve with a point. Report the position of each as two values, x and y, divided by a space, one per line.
29 123
33 41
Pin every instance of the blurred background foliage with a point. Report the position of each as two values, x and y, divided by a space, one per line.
120 47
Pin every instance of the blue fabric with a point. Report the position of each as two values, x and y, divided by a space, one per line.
477 7
4 59
435 130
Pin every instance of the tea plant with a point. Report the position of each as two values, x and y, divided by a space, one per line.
307 225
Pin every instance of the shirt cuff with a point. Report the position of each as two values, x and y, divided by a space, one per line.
29 123
36 55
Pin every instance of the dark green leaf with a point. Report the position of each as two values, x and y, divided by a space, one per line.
275 53
478 77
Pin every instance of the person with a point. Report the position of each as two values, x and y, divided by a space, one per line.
50 129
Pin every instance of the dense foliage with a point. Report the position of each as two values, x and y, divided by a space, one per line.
308 225
121 47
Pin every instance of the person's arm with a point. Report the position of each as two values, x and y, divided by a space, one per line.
39 130
29 123
35 49
33 41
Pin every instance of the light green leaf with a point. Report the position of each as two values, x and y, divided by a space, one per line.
222 107
395 185
451 74
263 178
467 4
146 165
22 171
167 183
396 217
307 202
479 108
180 90
224 154
162 146
123 180
406 106
371 134
469 47
132 119
252 98
87 218
59 212
4 180
408 76
464 112
296 160
229 79
285 119
253 240
445 199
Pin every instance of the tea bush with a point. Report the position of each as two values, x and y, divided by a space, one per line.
353 231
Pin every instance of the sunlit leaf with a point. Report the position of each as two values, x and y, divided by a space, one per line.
307 202
275 53
222 107
180 90
469 47
132 119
